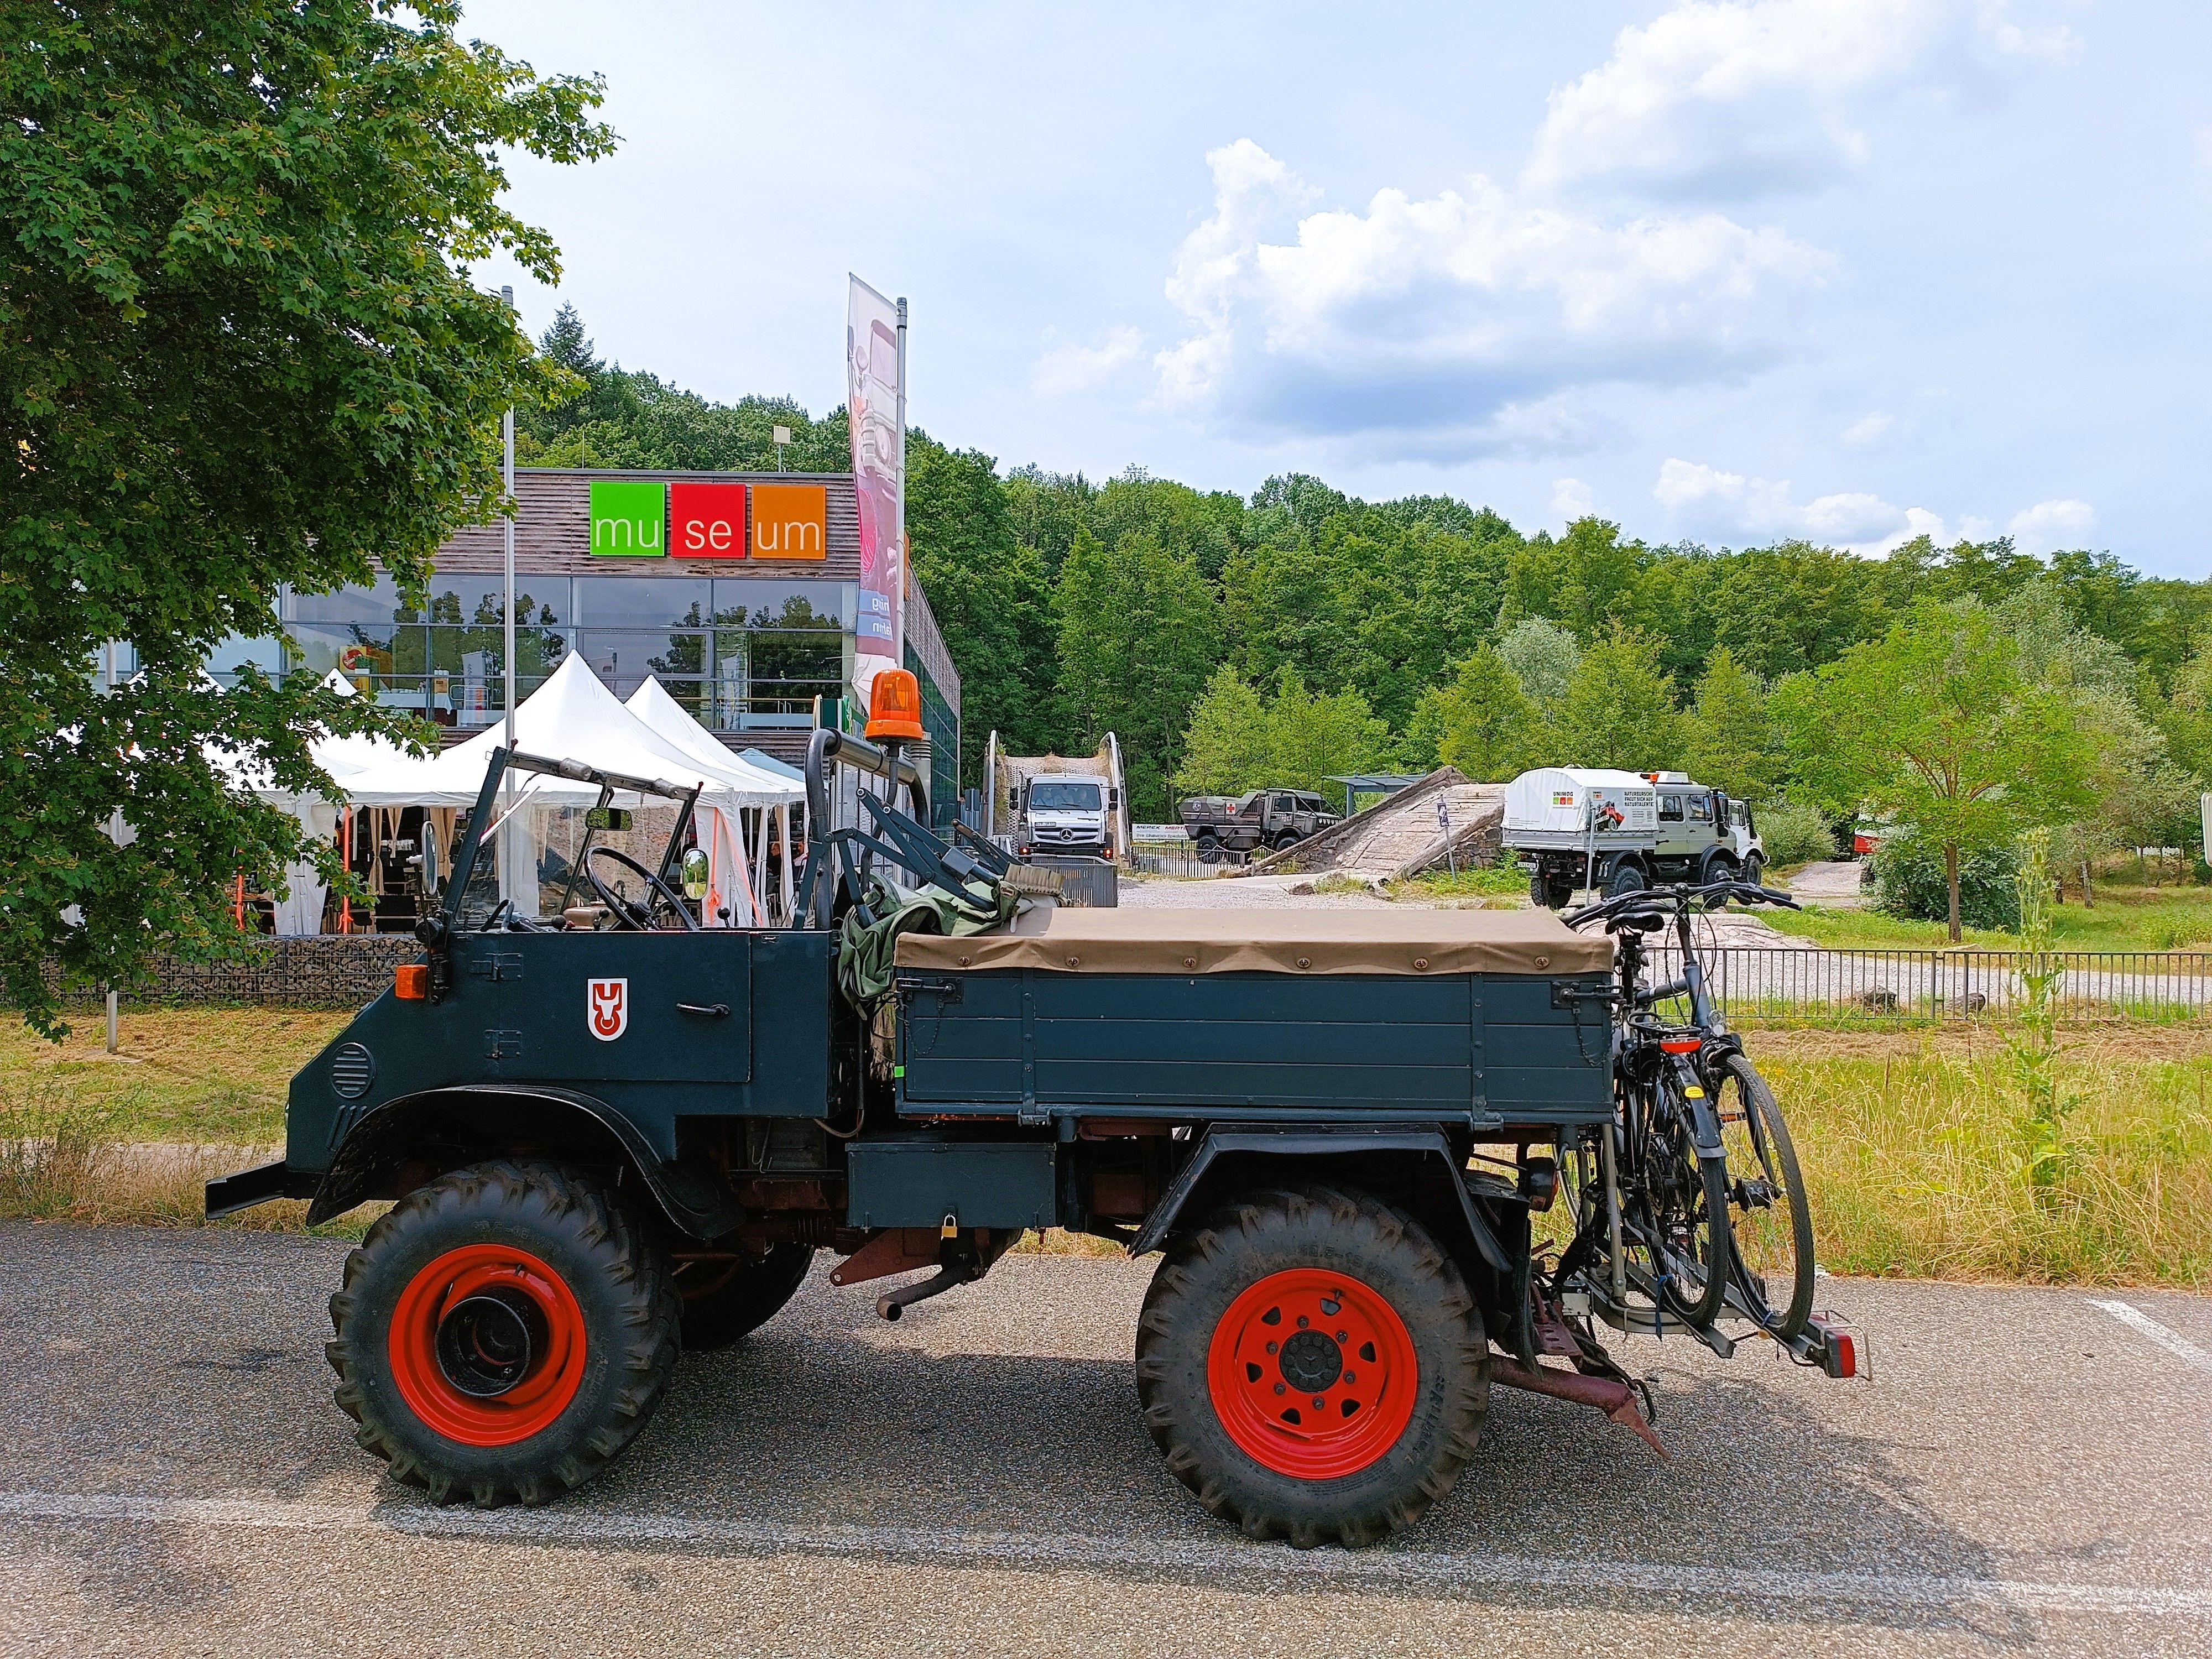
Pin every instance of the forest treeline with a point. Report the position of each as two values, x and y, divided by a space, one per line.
1232 641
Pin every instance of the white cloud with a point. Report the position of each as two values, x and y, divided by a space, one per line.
2051 527
1868 430
1572 498
1706 501
1740 97
1060 371
1471 317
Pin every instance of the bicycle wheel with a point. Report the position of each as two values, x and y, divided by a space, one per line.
1771 1227
1686 1204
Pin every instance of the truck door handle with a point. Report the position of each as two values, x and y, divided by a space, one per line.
716 1010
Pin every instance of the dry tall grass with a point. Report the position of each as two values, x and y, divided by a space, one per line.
59 1161
1917 1166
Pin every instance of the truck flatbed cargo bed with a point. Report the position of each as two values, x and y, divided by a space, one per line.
1478 1018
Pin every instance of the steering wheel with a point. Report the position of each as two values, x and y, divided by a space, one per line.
637 917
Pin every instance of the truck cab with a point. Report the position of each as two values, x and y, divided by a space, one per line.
1069 813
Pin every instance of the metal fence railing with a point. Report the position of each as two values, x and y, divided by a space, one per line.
2093 985
1171 858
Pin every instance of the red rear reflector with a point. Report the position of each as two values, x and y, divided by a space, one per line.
410 981
1841 1354
1681 1045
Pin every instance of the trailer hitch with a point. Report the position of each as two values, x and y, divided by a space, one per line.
1616 1399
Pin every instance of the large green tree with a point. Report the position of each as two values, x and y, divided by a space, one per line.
1733 744
991 598
1137 642
1619 708
1230 747
239 347
1941 724
1485 725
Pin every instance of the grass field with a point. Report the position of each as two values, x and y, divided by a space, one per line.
1907 1139
2125 918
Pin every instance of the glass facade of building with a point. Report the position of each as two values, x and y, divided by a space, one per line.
740 655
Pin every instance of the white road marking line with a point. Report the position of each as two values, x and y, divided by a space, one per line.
1412 1570
2144 1325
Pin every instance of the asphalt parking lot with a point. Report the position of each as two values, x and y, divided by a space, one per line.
2026 1471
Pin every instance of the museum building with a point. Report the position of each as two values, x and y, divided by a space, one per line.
739 591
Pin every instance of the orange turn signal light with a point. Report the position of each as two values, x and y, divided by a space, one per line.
410 981
895 706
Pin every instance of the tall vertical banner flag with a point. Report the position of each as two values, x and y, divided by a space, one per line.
873 403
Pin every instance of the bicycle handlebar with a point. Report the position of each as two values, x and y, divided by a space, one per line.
1678 898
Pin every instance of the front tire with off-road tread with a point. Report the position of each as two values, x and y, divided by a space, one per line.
606 1315
1324 1234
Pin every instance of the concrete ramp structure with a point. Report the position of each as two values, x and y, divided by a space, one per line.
1402 834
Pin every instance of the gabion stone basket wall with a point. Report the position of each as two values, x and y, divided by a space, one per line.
339 971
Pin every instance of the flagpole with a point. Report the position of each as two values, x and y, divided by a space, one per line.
510 879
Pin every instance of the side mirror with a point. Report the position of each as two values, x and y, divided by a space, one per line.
425 861
694 874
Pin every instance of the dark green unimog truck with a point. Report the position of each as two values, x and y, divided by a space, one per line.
616 1136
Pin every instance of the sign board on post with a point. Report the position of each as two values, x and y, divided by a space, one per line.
873 389
629 519
707 521
790 521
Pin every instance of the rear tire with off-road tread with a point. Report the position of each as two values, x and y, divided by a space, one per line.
1211 1298
724 1302
597 1301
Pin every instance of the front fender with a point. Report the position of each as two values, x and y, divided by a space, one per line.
452 1126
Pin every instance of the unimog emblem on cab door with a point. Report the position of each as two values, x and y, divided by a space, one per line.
609 1008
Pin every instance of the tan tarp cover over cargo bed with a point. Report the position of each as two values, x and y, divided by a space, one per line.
1224 941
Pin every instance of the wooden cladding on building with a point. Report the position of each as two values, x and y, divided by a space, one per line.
811 520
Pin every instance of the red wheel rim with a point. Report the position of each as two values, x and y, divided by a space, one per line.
547 1382
1313 1374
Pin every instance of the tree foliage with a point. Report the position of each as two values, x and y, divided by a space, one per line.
1939 724
1289 738
1136 637
1485 725
239 347
1733 744
1619 707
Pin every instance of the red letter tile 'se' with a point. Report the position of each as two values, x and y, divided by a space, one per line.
705 520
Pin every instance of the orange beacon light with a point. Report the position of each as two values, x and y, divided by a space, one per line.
895 706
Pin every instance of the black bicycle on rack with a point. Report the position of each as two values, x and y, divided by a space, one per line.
1693 1206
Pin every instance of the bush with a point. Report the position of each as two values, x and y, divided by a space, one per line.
1795 834
1908 881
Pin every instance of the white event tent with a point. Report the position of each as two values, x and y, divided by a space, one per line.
571 717
723 832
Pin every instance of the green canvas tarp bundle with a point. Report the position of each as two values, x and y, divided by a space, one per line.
864 952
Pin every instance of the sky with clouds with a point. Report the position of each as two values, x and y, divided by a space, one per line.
1732 270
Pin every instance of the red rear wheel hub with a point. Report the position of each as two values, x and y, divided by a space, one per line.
487 1345
1313 1374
